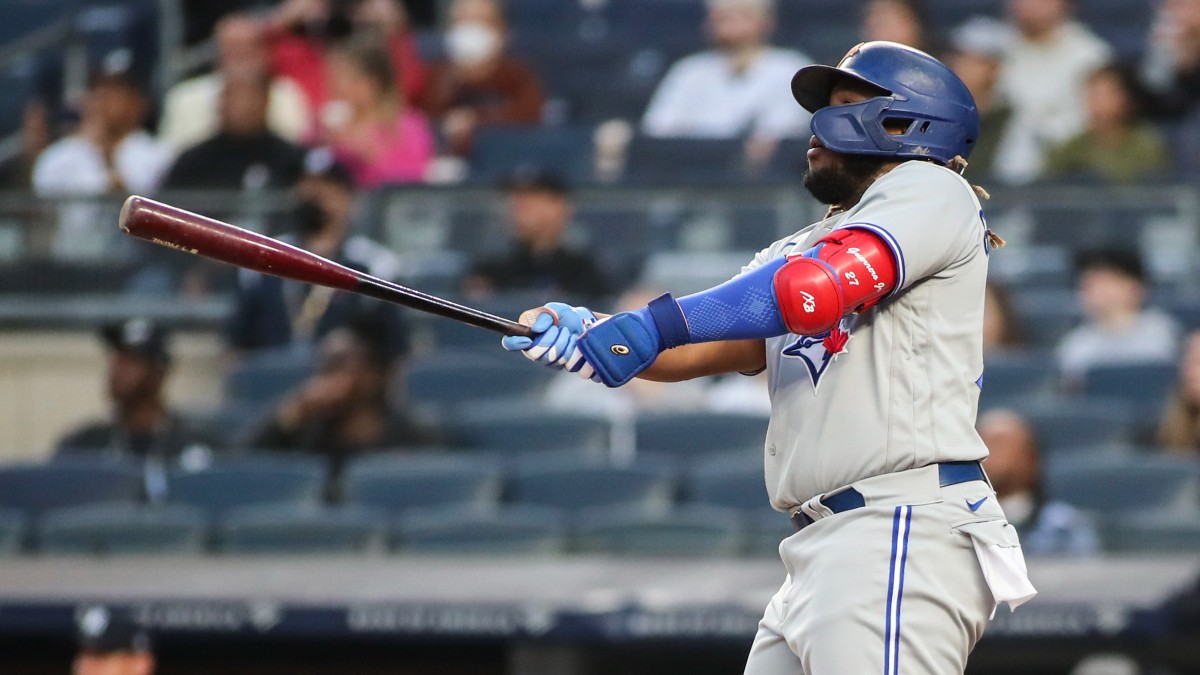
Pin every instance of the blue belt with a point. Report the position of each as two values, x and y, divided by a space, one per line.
949 473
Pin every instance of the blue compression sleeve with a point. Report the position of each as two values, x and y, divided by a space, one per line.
743 308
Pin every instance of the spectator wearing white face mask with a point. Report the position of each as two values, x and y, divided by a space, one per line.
479 84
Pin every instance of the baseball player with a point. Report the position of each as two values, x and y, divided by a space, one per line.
869 325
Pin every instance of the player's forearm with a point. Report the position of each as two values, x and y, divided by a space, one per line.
708 358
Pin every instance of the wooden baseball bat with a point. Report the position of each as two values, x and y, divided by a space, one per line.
192 233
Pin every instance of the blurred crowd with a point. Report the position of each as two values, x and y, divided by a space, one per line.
328 100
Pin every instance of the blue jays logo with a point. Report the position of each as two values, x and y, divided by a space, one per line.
818 351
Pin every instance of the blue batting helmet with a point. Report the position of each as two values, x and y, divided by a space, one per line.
914 89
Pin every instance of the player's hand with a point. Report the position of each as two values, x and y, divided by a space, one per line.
557 327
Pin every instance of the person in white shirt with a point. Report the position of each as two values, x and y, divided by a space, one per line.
1118 328
1044 76
738 89
110 154
190 108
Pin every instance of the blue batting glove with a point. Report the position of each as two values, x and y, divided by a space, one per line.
556 333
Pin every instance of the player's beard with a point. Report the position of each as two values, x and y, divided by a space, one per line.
843 183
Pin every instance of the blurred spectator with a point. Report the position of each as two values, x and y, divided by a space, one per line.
16 171
1046 527
977 51
1116 145
1001 326
902 21
300 33
740 88
192 109
110 643
539 212
1045 74
369 125
1109 663
1117 327
142 424
1180 428
111 153
480 84
343 409
273 312
1171 68
244 154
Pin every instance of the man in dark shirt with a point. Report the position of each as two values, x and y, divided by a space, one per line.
142 425
539 211
245 154
344 408
273 312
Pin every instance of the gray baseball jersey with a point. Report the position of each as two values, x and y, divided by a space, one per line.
897 386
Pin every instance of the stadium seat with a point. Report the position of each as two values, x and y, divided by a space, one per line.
531 429
36 488
1018 375
12 531
399 482
123 529
1046 316
696 530
498 151
250 480
439 383
660 161
575 484
732 480
264 376
693 433
1143 386
1119 484
765 529
1063 425
513 530
1170 531
287 530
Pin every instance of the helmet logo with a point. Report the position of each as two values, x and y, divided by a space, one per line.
852 52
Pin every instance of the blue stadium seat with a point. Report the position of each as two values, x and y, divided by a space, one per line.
660 161
12 531
36 488
498 151
443 382
264 376
1143 387
1118 484
512 530
694 433
399 482
1019 375
252 480
1046 316
730 479
697 530
531 429
1170 531
123 529
765 529
287 530
575 484
1062 425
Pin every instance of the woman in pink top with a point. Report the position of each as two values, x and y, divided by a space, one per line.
369 125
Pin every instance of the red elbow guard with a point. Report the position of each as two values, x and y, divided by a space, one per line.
847 271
